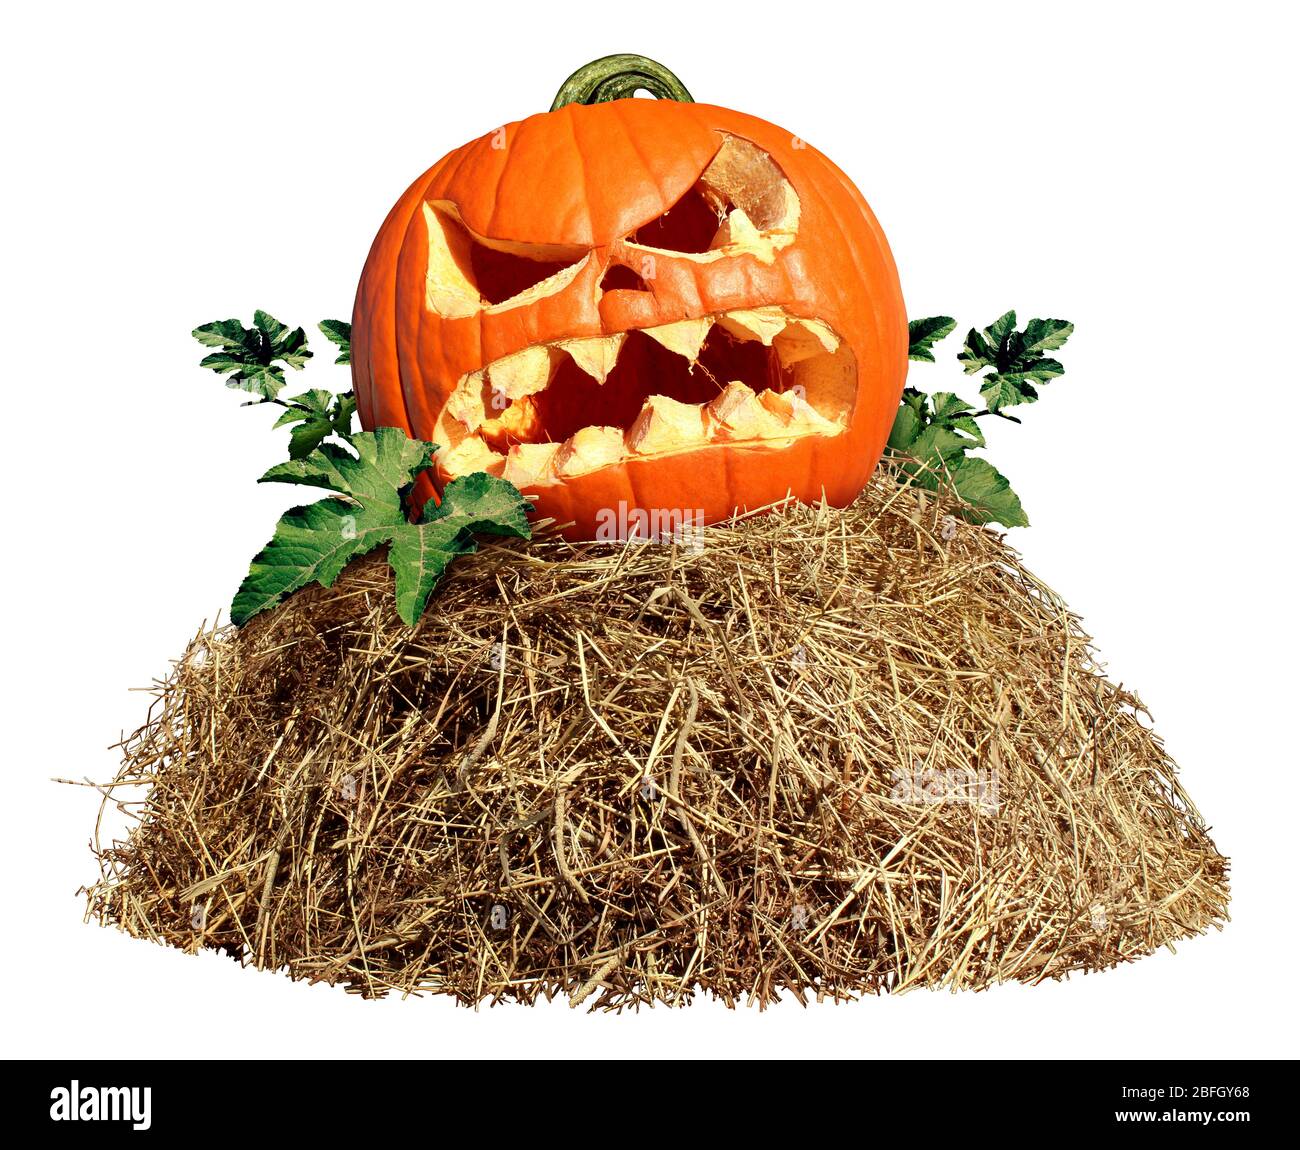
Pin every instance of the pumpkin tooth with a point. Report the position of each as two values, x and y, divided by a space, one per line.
588 450
469 455
596 355
667 425
466 402
796 413
803 339
523 373
740 415
737 229
825 335
519 420
527 463
685 337
763 324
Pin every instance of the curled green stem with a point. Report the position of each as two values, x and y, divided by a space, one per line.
618 77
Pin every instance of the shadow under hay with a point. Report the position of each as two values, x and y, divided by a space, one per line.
830 752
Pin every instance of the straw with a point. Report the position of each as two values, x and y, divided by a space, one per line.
822 754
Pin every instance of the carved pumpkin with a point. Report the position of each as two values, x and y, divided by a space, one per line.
653 303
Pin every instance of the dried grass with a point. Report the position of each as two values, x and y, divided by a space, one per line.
832 752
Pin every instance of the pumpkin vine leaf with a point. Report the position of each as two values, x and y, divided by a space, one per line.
923 334
420 552
368 508
931 438
314 416
1016 357
253 358
339 333
933 435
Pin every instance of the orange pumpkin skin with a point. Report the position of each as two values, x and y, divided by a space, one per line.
584 179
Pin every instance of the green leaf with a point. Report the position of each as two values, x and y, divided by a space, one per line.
227 333
1015 357
976 354
931 430
1006 389
932 436
1046 335
254 358
338 332
999 391
923 334
318 414
303 440
385 461
982 487
472 503
951 410
314 543
314 402
1000 329
908 422
988 493
345 407
260 379
989 349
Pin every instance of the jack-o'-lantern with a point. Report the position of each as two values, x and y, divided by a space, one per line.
650 303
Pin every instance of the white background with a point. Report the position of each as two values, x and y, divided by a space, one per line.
1129 167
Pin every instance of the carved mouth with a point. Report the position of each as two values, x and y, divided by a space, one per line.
758 377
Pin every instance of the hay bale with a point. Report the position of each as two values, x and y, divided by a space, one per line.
830 752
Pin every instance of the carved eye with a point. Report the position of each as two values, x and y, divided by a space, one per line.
468 274
688 226
501 276
741 202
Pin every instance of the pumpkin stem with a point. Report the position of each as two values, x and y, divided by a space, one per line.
616 78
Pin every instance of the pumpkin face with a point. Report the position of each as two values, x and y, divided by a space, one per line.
665 305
